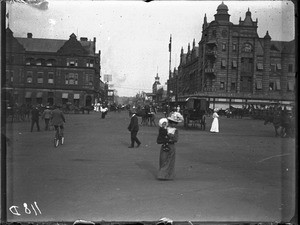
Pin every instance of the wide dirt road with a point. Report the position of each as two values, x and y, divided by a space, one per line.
242 173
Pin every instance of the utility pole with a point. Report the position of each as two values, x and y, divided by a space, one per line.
170 50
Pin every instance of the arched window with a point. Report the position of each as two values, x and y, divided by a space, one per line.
50 62
247 47
40 62
29 61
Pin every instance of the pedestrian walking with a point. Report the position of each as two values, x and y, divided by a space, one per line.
35 117
215 123
133 127
168 136
46 116
152 117
104 111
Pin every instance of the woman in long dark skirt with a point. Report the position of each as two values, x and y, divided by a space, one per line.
168 136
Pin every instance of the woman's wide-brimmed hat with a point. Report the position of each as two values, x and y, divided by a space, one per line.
175 117
162 120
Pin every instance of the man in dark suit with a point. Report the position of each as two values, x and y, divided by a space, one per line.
35 116
134 128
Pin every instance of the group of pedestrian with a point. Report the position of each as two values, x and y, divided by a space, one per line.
103 110
54 117
167 137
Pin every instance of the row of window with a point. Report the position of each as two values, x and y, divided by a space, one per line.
29 94
72 62
70 78
246 48
274 85
247 66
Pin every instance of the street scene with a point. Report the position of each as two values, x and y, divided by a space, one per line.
154 111
242 173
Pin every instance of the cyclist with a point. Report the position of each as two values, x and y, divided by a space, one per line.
58 120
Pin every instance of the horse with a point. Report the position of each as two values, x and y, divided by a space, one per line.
285 122
233 112
196 116
146 116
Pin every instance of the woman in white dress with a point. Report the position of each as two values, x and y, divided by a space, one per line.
215 123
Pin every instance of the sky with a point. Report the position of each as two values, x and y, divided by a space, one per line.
133 36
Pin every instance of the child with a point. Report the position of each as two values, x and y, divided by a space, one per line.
163 137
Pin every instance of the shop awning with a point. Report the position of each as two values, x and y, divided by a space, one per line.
39 94
28 94
65 95
76 96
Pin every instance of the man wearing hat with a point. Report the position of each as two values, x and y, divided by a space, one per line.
35 116
58 119
46 116
133 127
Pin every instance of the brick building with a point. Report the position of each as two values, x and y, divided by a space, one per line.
51 71
233 65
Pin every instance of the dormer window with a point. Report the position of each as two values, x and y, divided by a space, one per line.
90 63
50 62
39 62
72 62
29 61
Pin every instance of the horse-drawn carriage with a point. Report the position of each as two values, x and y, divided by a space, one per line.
194 112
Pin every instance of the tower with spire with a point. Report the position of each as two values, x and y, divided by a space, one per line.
232 61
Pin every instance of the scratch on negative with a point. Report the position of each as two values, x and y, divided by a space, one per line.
273 157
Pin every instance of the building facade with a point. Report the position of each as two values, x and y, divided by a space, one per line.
51 71
232 64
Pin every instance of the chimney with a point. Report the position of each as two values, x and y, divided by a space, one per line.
29 35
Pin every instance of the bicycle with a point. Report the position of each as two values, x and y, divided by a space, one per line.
58 137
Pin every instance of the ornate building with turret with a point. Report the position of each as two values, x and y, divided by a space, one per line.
233 65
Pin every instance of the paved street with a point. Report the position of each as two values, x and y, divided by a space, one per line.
242 173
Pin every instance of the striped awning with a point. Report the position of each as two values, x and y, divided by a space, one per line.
28 94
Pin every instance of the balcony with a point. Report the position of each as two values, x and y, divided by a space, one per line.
211 53
209 89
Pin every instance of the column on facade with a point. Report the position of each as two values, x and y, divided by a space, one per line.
266 73
283 74
238 75
229 63
254 67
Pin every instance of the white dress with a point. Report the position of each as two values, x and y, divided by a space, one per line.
215 124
